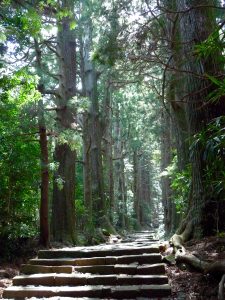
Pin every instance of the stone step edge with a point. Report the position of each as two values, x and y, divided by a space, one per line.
104 269
122 292
54 253
55 279
96 260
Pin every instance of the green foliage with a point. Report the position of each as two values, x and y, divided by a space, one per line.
221 234
212 144
30 22
212 46
19 158
180 184
219 90
70 137
108 50
20 24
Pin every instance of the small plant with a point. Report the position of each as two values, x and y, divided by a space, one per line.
180 184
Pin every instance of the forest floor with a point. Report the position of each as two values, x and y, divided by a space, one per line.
192 285
186 284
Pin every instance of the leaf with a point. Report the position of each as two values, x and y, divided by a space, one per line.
73 25
2 37
214 80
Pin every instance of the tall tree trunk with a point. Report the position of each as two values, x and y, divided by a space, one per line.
94 128
44 205
119 175
108 151
166 160
87 172
136 192
142 192
43 141
63 203
145 190
195 27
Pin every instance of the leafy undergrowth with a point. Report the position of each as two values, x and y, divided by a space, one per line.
13 253
189 284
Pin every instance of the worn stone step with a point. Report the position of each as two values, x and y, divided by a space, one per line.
31 269
70 253
54 279
150 291
141 259
131 269
139 242
90 298
116 292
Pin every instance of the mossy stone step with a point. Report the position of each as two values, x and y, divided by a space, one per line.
116 292
82 279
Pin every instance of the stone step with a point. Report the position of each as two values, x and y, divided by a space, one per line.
139 241
128 270
82 279
141 259
69 252
31 269
116 292
131 269
90 298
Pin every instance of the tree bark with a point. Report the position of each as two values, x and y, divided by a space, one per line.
119 176
195 27
136 188
107 150
43 141
63 203
94 126
44 205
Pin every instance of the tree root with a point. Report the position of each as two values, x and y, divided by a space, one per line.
216 268
221 288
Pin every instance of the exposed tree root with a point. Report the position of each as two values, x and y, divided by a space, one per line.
221 288
182 256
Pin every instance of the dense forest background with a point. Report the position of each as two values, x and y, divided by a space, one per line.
112 117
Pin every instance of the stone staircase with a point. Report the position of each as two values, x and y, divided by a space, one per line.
130 269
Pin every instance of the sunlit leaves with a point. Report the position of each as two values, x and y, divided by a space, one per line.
19 88
31 22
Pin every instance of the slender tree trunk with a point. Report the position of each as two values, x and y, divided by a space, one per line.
87 171
136 188
166 152
145 190
43 141
108 151
44 209
119 176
